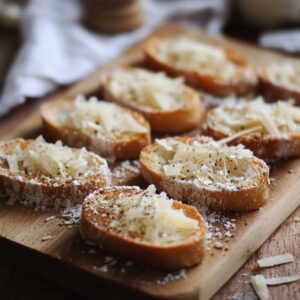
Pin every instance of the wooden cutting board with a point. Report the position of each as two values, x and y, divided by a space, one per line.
55 250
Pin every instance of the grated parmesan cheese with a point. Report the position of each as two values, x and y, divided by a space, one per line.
98 118
48 162
275 260
148 89
205 162
148 217
191 55
280 119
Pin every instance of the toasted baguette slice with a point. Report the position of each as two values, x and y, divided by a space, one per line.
168 104
215 70
271 131
104 128
144 226
36 172
204 173
281 80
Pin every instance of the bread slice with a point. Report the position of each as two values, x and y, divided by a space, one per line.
168 104
281 80
144 226
104 128
204 173
36 172
215 70
271 131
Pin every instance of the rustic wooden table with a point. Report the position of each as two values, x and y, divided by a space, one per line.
18 284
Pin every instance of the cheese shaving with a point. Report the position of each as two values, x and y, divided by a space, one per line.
280 119
98 118
148 89
47 162
260 286
282 280
275 260
205 162
191 55
148 217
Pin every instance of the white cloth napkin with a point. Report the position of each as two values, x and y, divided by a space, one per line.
58 50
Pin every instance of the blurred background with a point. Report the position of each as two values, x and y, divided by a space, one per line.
49 43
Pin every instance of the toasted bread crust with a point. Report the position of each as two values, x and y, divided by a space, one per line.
126 147
274 90
263 146
33 191
242 200
246 82
171 256
178 120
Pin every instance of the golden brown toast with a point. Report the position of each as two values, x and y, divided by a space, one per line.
144 226
204 173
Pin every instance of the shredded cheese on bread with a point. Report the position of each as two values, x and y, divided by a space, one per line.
147 217
206 163
285 73
98 118
148 89
192 55
280 119
45 162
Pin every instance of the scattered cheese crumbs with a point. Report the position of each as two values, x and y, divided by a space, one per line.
218 245
282 280
103 269
47 238
98 118
148 217
130 166
297 219
172 277
51 218
205 162
275 260
148 89
71 215
48 162
260 286
192 55
280 119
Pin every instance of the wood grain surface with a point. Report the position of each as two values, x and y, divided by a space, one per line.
266 220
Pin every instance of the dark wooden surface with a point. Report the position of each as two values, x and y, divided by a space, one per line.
17 284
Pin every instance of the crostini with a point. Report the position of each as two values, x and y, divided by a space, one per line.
167 103
280 81
144 226
105 128
271 131
204 173
36 172
213 69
